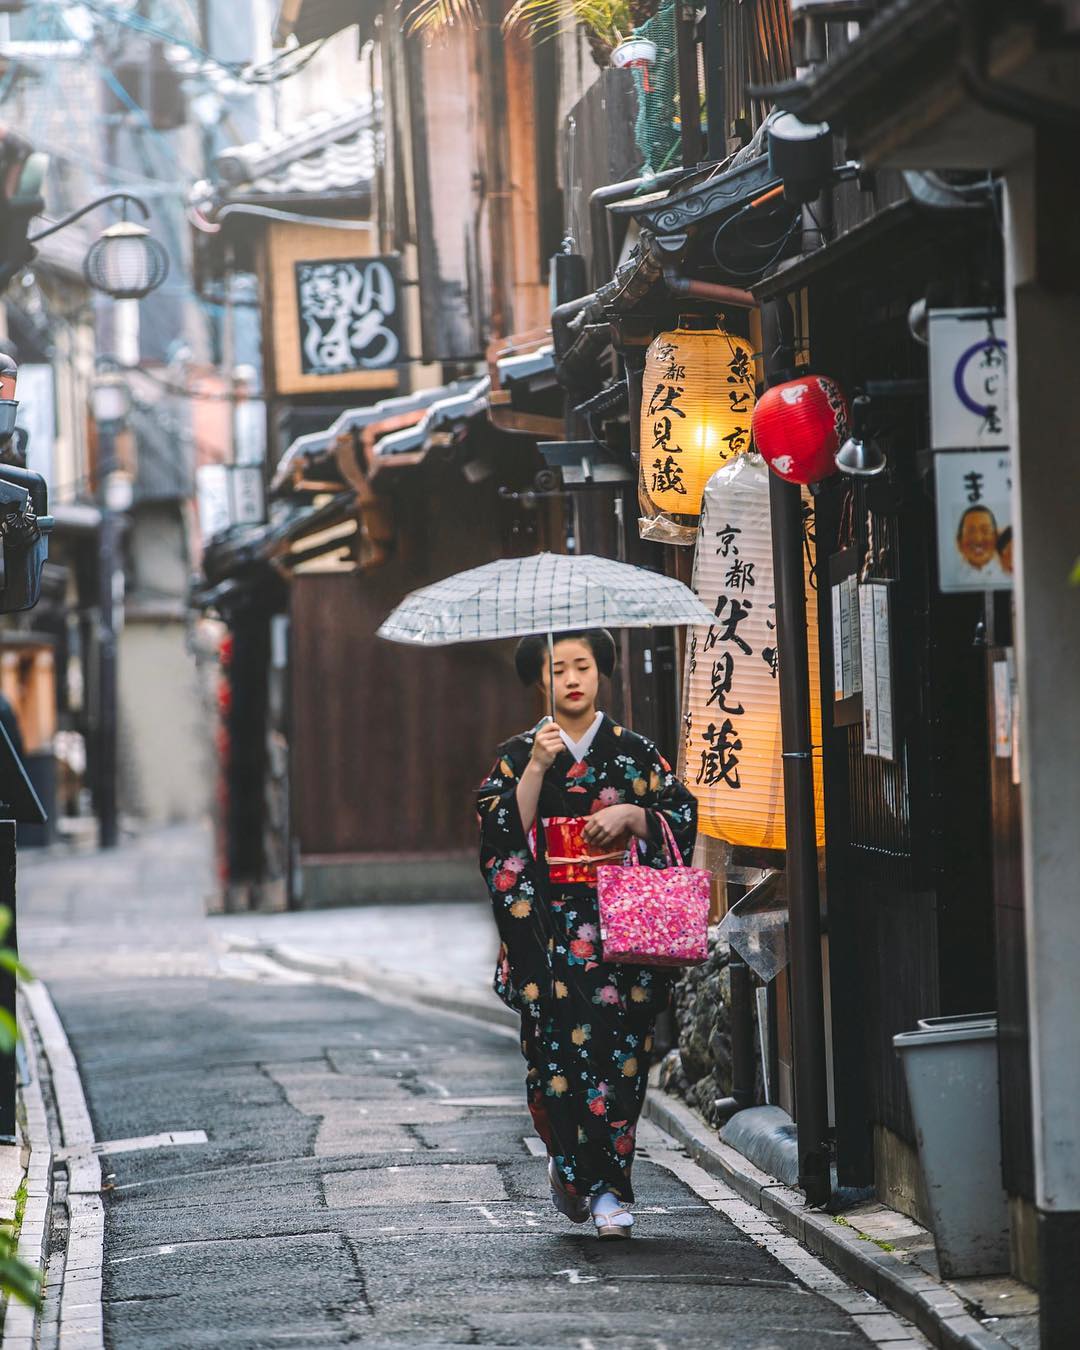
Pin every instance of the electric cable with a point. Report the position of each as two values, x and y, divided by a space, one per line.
762 268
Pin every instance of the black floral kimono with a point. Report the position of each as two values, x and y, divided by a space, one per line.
587 1027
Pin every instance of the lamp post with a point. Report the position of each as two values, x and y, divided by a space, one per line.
111 402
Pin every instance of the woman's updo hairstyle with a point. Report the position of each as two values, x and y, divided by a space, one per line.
532 652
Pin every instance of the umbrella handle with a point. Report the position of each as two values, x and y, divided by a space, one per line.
551 672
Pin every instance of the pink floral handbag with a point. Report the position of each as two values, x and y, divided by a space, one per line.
651 916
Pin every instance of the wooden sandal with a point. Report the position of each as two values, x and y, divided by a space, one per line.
607 1231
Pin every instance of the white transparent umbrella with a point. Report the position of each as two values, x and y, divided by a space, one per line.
546 593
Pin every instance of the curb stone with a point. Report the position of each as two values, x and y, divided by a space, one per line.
20 1321
81 1323
937 1312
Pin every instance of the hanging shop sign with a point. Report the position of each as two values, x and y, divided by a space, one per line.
228 495
875 599
336 312
732 745
348 315
846 637
697 399
968 384
974 520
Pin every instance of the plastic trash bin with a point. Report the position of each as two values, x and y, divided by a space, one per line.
951 1068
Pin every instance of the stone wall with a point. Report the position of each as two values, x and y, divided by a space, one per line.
699 1068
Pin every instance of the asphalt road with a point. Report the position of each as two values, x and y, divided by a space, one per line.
367 1177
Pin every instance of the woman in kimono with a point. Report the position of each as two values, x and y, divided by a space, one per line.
587 1027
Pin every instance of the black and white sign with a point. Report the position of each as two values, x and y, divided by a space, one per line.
349 311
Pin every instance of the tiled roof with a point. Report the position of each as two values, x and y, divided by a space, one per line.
465 399
325 154
309 448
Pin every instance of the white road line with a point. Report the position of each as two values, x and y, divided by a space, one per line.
143 1256
173 1138
576 1277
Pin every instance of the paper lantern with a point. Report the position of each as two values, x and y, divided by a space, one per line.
799 426
697 399
732 744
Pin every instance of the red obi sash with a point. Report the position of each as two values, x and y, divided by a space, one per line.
571 860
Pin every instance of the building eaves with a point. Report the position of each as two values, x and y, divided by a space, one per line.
527 366
327 154
306 452
448 415
918 33
943 86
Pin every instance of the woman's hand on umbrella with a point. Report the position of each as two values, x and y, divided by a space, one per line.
547 745
609 827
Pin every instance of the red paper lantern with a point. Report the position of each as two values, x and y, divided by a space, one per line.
798 427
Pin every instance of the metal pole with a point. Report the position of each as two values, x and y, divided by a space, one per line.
715 112
689 89
551 673
8 1127
804 916
107 691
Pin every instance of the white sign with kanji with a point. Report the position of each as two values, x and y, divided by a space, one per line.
968 394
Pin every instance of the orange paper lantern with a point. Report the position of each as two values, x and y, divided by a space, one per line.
697 399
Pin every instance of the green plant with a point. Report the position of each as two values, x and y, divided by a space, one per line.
429 17
606 22
17 1279
9 961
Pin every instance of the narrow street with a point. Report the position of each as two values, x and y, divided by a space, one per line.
369 1173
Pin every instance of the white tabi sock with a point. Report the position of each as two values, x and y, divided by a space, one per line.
604 1205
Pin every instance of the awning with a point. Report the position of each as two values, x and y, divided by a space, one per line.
313 455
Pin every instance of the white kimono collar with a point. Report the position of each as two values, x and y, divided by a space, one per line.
579 749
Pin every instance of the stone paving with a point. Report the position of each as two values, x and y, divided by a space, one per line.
369 1174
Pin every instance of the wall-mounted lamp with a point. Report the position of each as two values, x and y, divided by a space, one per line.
125 261
801 156
858 456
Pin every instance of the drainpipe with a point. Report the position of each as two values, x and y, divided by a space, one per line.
742 1041
677 284
804 914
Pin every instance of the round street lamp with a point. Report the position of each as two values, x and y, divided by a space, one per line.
126 262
